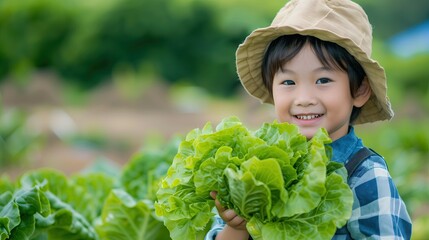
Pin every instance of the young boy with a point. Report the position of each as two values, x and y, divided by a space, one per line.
314 64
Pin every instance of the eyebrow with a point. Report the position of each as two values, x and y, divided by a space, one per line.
320 69
324 68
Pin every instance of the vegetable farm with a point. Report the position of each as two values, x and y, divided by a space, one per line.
45 204
274 166
96 98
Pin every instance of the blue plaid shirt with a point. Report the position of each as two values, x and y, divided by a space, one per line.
378 210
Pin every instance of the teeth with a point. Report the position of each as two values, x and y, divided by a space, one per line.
308 117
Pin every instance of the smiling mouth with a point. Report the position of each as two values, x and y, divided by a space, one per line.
308 117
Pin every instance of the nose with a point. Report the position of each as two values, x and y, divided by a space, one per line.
305 96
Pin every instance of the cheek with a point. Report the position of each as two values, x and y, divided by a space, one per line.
280 94
281 107
279 99
338 103
340 94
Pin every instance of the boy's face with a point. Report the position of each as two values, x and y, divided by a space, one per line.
312 96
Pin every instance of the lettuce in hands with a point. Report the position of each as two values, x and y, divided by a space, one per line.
284 185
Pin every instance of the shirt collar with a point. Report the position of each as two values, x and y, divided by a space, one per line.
345 146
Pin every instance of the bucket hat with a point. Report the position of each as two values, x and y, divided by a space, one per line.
339 21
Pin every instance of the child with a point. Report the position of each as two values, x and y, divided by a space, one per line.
314 64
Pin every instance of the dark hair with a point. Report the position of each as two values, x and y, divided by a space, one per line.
284 48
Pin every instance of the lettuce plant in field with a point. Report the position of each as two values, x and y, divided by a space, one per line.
46 204
284 185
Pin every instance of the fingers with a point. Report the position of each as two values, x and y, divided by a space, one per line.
238 223
233 220
228 215
213 194
219 206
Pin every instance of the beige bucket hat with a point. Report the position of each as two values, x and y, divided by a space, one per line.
339 21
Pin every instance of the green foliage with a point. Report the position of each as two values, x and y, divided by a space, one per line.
16 141
141 176
181 43
32 32
191 41
408 75
282 184
420 230
132 219
46 204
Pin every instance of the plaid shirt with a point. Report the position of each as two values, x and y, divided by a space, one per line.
378 210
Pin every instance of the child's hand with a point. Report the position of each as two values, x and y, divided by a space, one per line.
228 215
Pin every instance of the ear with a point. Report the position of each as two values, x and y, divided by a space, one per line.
362 94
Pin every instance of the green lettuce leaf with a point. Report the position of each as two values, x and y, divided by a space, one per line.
9 215
64 222
283 184
46 204
321 223
92 189
125 218
141 176
58 208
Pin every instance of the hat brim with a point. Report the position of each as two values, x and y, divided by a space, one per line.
250 53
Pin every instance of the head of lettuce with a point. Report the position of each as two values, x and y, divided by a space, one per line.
284 185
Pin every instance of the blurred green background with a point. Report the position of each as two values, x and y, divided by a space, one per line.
89 81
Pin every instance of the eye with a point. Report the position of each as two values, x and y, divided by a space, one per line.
323 81
288 82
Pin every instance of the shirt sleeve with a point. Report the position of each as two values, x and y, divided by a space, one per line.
378 210
217 226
